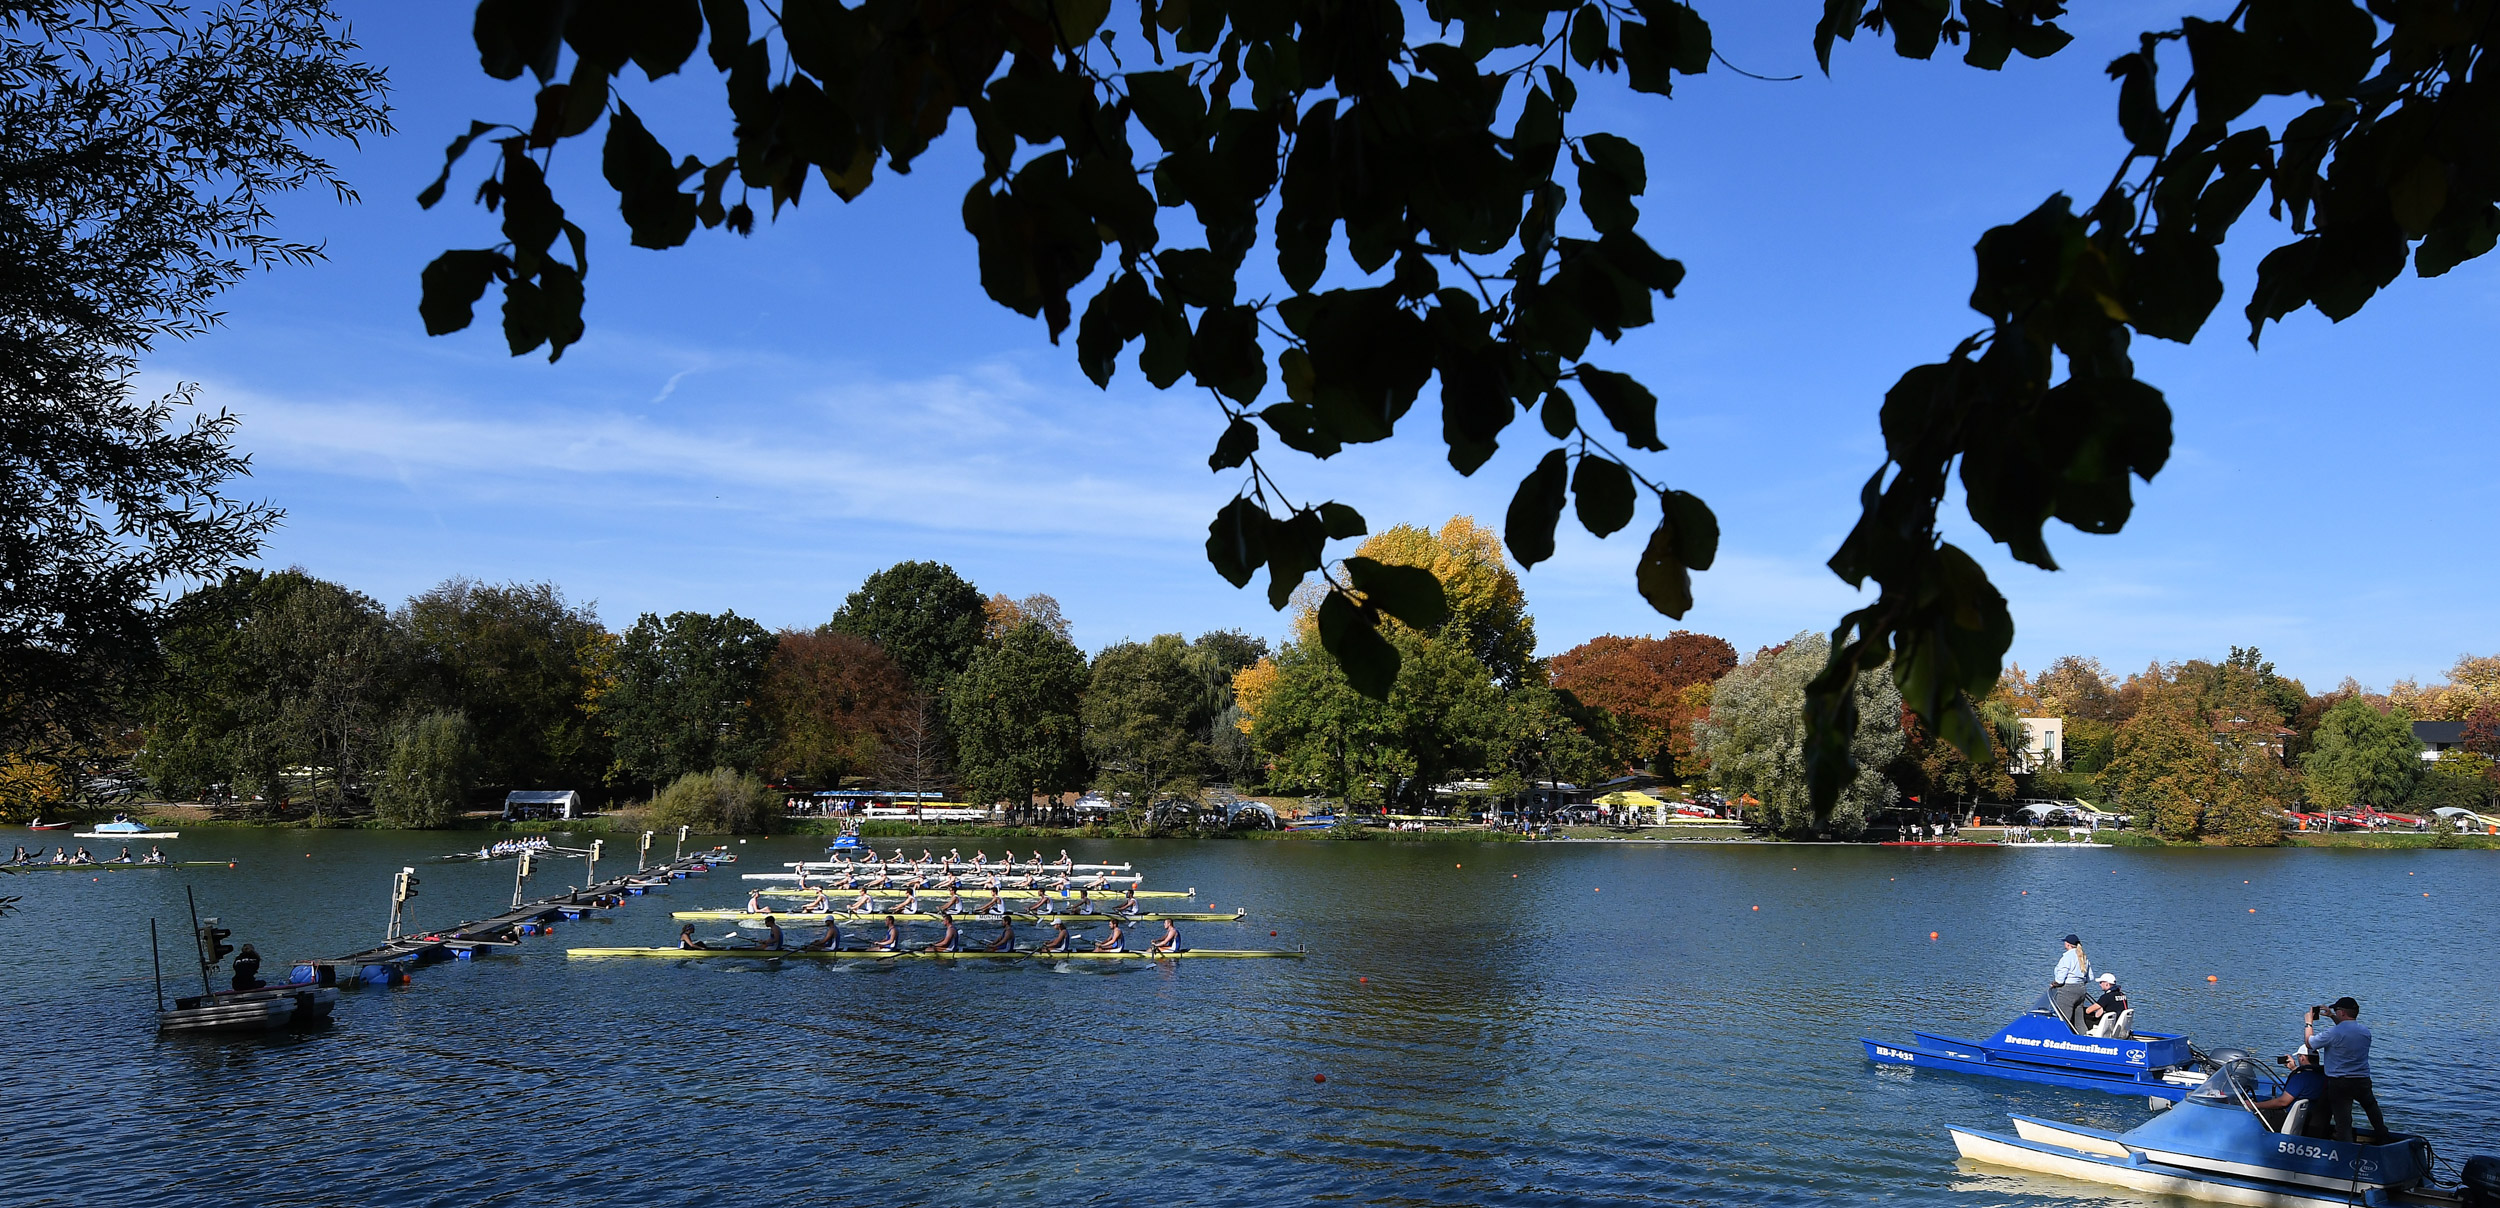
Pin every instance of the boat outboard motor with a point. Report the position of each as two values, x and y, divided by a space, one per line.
2481 1187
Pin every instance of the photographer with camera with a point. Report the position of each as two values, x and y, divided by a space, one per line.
2343 1049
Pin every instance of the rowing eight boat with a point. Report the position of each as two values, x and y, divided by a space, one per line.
820 878
118 866
796 918
810 892
953 866
853 954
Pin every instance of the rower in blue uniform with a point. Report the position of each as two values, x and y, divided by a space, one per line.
1170 941
952 940
1006 941
1117 941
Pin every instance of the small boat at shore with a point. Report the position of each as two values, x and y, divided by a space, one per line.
2218 1145
263 1010
121 827
40 824
2038 1047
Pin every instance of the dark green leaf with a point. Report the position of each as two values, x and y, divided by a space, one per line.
451 155
1696 528
664 34
1341 521
1602 491
1296 546
2457 240
1628 405
545 311
1117 315
1840 20
728 19
1350 636
1588 35
655 210
1662 579
1611 175
1237 540
1240 440
1410 593
1224 354
517 35
1559 415
453 284
2228 71
1528 528
2139 106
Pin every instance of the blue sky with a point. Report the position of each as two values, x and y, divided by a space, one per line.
757 424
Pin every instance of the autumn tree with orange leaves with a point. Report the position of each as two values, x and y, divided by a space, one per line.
1647 684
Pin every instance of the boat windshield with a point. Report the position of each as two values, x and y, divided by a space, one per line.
2240 1081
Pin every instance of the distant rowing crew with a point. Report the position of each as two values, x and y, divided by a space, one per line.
65 856
953 860
856 954
916 878
996 903
951 940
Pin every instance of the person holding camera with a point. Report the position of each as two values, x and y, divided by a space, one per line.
2343 1049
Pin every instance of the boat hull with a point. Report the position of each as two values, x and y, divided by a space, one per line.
2039 1047
798 918
105 834
1966 1058
2105 1159
852 954
262 1010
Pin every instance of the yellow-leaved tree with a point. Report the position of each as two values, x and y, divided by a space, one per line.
1488 610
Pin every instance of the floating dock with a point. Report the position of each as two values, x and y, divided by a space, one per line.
389 963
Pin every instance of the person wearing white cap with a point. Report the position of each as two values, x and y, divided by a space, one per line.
2107 1011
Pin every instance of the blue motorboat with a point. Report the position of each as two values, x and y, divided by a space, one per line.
844 843
2220 1145
2038 1046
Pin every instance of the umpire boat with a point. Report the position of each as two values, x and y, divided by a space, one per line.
2038 1046
2221 1145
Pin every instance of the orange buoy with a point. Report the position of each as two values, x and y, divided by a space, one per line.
1931 935
1271 934
1458 866
1319 1077
1757 908
1362 979
2252 910
2211 978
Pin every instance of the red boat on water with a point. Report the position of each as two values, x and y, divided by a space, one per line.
40 824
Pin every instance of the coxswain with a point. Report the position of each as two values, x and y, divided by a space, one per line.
686 940
893 940
952 940
830 941
1170 941
247 969
772 935
1117 941
1128 905
1060 940
1006 941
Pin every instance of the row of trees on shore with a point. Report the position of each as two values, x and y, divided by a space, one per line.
284 691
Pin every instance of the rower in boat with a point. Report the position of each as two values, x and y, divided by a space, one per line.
980 859
772 935
123 858
1060 940
1084 902
953 938
893 941
60 855
1039 905
830 941
954 902
20 856
82 857
1128 905
685 938
156 855
755 901
1169 941
1006 941
1095 882
926 856
1065 864
995 905
911 901
953 857
1117 941
820 904
864 903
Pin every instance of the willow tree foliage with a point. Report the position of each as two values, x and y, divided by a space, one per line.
1757 742
140 146
1416 186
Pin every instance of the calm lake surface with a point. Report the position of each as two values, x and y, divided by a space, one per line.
1548 1024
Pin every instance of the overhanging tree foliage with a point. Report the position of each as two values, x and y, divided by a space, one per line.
1439 157
140 144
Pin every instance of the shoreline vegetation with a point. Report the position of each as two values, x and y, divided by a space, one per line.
190 816
280 696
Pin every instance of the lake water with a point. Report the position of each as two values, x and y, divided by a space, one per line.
1540 1024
